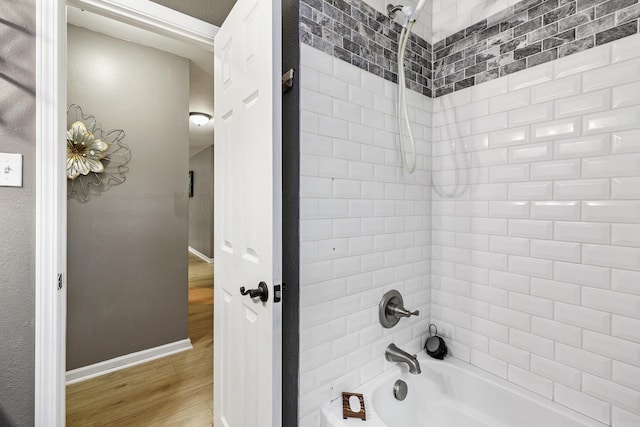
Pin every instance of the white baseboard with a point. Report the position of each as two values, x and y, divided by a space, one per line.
200 255
126 361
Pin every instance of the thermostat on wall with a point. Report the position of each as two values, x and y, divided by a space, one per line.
10 170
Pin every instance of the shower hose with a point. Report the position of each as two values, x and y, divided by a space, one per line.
402 116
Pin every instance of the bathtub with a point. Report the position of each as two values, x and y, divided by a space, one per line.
452 393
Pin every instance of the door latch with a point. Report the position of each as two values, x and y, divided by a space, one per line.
59 281
277 294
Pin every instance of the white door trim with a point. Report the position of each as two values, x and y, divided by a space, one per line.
154 17
51 202
50 307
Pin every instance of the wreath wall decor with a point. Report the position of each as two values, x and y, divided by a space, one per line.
96 159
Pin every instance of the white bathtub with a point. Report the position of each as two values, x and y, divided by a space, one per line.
452 393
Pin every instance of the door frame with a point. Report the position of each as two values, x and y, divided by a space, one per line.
51 183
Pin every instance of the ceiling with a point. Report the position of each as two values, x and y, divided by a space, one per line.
200 65
211 11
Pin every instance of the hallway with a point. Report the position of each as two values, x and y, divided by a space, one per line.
176 390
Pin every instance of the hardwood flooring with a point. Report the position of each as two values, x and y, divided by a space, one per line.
174 391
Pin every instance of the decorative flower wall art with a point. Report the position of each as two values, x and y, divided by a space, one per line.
84 151
96 159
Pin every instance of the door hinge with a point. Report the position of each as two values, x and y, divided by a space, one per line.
277 293
59 281
287 80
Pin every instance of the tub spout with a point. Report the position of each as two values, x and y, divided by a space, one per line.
395 354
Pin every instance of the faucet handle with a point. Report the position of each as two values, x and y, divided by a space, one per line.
399 311
391 309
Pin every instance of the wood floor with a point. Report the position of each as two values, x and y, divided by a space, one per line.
173 391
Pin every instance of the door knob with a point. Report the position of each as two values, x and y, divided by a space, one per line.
262 292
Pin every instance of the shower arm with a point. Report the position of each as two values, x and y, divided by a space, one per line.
392 10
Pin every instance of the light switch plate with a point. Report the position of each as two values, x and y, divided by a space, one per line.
10 170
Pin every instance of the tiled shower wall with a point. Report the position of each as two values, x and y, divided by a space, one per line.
527 34
536 229
451 16
535 222
359 34
364 227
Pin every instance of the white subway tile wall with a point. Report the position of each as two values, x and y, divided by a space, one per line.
535 235
364 227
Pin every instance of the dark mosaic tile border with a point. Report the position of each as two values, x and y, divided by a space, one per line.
354 32
524 35
527 34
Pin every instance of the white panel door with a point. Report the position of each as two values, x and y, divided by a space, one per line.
248 219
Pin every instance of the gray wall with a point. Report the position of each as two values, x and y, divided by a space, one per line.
127 247
201 204
17 209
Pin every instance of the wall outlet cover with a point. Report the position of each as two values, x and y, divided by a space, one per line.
10 170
